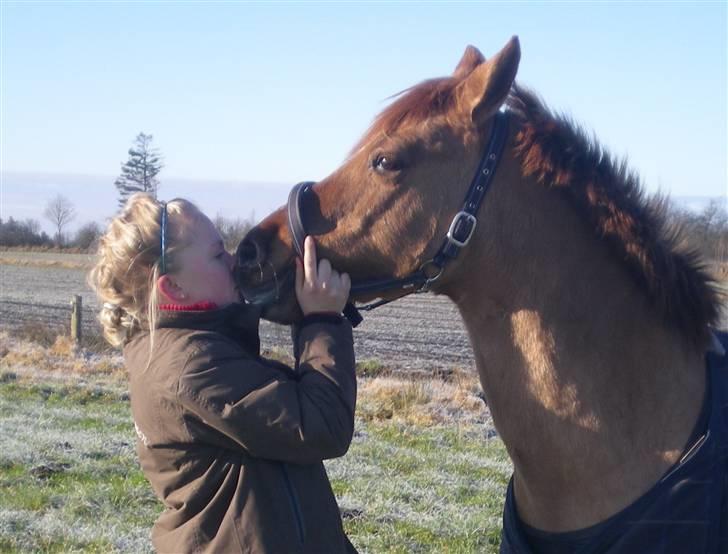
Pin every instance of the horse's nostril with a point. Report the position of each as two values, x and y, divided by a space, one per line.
248 253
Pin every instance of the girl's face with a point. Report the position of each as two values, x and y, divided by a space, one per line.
205 268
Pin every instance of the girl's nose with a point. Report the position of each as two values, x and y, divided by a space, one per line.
230 260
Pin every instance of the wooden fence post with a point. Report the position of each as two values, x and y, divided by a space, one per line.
76 324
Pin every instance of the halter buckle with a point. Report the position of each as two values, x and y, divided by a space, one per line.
462 220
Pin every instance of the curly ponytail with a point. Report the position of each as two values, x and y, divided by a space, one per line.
129 254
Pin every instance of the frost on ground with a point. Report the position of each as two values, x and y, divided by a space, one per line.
425 472
68 467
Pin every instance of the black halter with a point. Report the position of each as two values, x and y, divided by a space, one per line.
458 235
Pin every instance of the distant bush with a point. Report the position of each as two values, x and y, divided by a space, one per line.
87 236
706 230
27 236
232 230
22 233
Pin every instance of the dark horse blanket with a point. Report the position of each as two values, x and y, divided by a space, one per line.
686 512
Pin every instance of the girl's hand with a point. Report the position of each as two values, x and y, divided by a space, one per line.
319 287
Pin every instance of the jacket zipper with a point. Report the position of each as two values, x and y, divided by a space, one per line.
295 506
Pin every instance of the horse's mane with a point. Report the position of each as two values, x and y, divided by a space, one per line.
560 156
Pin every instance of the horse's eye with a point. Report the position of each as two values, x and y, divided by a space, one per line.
382 163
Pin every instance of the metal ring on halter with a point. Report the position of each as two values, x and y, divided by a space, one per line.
163 240
430 280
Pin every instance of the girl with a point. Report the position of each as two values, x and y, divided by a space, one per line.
231 443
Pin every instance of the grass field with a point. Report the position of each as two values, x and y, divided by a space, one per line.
425 472
49 259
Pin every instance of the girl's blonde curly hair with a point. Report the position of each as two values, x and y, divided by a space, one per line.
129 259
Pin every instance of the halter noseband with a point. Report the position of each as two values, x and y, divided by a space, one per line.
462 228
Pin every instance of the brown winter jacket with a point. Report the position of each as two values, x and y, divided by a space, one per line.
232 443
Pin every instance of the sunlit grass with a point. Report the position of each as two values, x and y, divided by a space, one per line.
423 474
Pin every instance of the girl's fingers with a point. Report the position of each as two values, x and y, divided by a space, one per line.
319 288
346 283
309 261
324 272
335 282
299 276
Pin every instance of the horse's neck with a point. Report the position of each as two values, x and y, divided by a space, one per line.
592 395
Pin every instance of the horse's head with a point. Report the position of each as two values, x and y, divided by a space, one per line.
386 210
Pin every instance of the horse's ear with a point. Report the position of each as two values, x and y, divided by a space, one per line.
486 88
471 59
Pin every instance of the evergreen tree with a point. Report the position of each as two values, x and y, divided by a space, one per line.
139 173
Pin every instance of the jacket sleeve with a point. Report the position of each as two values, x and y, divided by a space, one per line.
273 414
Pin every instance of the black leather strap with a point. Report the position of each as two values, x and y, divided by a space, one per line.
295 218
463 227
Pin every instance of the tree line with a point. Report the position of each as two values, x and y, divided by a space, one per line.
138 174
27 233
706 229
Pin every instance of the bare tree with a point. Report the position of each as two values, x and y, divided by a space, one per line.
60 212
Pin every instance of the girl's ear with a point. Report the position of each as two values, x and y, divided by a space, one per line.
170 290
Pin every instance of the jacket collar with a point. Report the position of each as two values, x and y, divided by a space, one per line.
196 307
238 322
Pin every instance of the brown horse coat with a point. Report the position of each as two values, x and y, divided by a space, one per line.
686 511
588 315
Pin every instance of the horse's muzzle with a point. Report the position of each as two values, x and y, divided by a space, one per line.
249 254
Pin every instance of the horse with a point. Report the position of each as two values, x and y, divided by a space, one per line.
591 321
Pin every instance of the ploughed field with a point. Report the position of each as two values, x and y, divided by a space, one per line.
420 332
417 333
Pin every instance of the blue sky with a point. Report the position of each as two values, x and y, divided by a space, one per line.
279 92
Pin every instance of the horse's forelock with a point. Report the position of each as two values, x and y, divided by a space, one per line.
412 106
